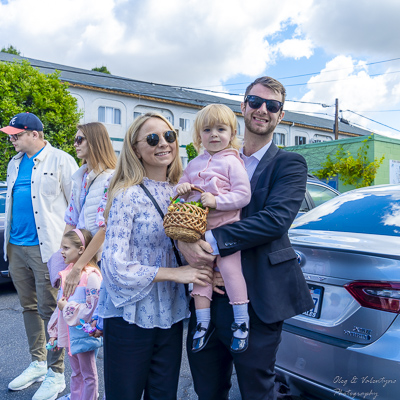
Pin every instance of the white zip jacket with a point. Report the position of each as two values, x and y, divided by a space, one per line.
50 189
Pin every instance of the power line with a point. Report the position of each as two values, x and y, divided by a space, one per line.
339 69
380 123
377 111
318 72
338 80
93 73
310 112
90 73
308 102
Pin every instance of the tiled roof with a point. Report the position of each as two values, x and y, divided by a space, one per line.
99 80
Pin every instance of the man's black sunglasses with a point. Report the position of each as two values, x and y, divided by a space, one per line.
154 138
273 106
79 139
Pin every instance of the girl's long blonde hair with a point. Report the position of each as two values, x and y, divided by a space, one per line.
130 170
211 115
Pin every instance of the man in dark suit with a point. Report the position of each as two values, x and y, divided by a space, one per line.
276 287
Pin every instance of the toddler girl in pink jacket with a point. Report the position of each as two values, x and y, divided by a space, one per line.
71 312
220 172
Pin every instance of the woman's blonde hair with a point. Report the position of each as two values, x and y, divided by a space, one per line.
130 170
76 242
101 153
211 115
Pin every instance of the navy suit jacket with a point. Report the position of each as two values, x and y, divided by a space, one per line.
276 286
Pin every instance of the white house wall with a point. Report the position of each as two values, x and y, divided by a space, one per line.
90 100
312 135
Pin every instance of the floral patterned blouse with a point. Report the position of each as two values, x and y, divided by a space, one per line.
135 248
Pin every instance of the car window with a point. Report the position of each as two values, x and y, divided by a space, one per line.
320 194
304 206
370 211
3 203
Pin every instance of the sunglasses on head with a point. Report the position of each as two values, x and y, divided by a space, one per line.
154 138
255 102
79 139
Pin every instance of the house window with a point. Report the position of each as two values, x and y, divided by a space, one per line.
110 115
279 139
184 124
138 114
142 110
321 138
300 140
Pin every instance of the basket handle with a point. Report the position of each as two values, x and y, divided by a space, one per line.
193 188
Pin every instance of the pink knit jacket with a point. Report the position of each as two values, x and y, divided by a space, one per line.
223 175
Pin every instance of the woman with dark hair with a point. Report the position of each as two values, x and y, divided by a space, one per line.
93 146
143 301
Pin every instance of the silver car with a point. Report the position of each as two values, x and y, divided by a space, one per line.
348 345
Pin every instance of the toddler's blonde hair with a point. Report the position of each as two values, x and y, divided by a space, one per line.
211 115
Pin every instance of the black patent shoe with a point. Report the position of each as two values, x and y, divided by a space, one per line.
239 345
199 343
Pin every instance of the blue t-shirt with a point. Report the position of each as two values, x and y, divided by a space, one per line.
23 226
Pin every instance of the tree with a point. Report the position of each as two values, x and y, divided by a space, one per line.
102 69
25 88
191 152
11 50
358 171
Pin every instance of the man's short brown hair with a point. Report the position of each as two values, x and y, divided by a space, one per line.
269 83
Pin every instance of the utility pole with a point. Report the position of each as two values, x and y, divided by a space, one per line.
336 126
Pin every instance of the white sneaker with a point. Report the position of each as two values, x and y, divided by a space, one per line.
34 373
53 384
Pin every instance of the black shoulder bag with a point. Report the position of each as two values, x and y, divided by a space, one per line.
150 196
153 200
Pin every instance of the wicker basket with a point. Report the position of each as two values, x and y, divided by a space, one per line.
185 222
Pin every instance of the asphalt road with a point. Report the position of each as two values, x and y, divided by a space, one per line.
14 355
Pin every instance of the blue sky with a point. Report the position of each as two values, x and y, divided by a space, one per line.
223 45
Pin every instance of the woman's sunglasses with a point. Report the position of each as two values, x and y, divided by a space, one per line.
154 138
79 139
255 102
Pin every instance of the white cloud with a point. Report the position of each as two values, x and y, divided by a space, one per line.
295 48
202 43
349 81
356 27
172 41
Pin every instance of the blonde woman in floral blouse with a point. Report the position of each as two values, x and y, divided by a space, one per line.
143 301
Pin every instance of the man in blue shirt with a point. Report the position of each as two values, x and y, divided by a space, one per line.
38 189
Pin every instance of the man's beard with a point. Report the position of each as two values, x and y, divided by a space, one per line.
268 131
